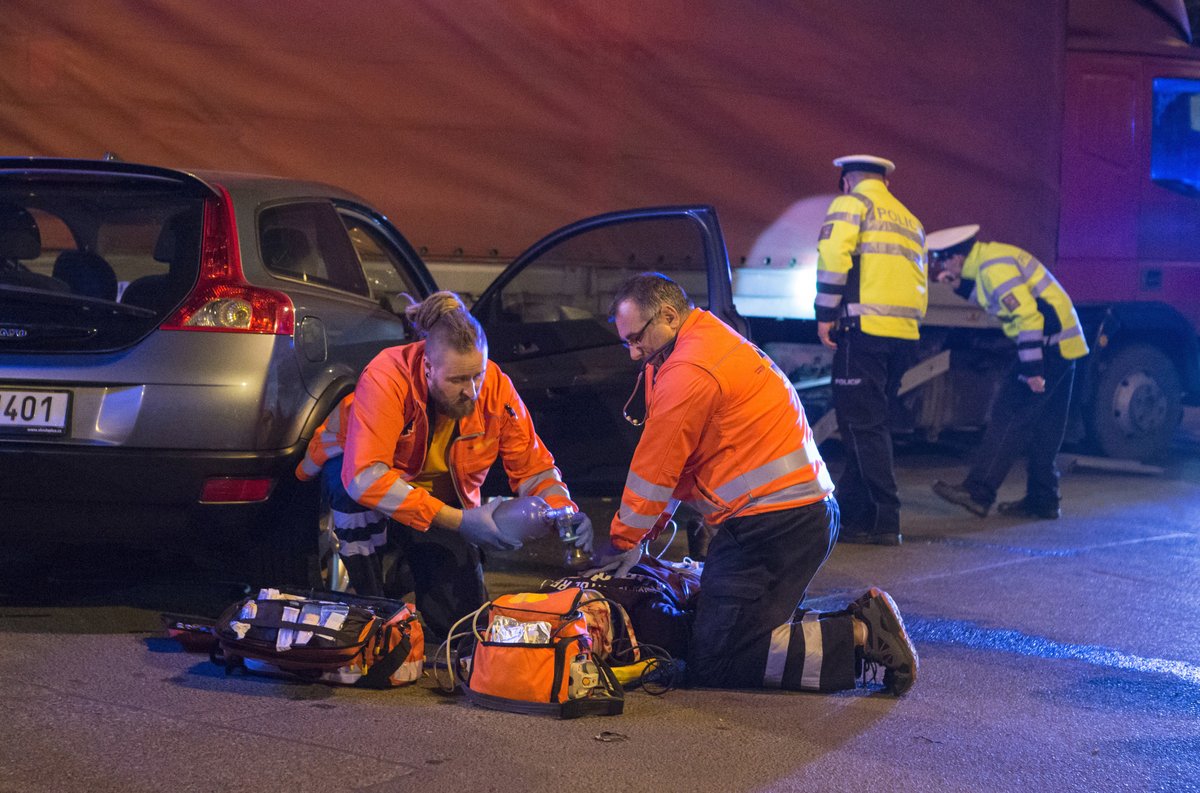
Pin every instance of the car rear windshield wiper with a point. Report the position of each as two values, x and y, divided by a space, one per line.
55 297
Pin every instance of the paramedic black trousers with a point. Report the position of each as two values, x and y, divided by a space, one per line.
1025 423
866 376
443 570
749 631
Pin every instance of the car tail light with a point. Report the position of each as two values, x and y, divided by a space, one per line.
234 490
222 300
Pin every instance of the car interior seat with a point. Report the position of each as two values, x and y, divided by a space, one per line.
21 239
87 274
177 246
287 250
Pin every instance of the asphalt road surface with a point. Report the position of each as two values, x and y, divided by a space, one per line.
1055 655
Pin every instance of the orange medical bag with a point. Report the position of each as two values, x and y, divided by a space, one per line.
535 656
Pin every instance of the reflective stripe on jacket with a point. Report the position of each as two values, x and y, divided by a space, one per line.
724 432
386 437
871 263
1009 283
327 441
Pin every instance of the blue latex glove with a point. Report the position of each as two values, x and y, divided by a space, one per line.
582 529
614 561
479 528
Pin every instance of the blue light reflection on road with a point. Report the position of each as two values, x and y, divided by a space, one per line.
966 634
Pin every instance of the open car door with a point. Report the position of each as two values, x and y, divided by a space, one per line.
546 319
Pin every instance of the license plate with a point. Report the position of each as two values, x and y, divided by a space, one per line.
34 412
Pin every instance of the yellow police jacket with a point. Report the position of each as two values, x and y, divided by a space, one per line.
1010 283
871 263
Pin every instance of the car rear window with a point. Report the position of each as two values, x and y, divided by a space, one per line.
93 262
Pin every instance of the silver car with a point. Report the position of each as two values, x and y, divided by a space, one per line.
169 341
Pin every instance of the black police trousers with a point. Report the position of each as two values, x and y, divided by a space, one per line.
866 376
1025 423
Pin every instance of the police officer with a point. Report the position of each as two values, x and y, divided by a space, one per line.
1029 415
872 292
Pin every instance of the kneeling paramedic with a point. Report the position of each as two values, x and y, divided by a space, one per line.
420 432
725 432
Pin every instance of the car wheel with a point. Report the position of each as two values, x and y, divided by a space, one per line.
285 549
1138 404
332 571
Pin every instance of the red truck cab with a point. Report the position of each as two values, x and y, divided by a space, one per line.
1128 247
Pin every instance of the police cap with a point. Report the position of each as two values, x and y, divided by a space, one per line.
945 243
865 162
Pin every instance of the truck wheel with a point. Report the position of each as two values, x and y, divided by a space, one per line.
1138 404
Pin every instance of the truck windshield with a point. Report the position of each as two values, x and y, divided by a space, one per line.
1175 135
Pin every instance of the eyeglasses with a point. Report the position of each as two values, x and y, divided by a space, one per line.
636 338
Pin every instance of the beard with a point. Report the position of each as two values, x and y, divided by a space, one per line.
456 408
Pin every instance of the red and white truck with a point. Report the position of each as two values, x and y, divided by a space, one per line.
1073 132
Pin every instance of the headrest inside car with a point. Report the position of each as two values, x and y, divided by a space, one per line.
87 273
19 235
285 249
180 238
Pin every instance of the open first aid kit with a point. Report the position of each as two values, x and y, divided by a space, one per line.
649 609
329 637
532 654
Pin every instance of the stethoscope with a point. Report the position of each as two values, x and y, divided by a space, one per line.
656 358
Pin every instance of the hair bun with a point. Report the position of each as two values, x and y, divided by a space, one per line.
425 315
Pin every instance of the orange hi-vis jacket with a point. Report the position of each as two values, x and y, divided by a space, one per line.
327 442
385 433
725 433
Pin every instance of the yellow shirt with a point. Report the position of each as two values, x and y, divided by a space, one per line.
435 475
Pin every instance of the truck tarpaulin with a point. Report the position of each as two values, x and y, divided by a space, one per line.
480 124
